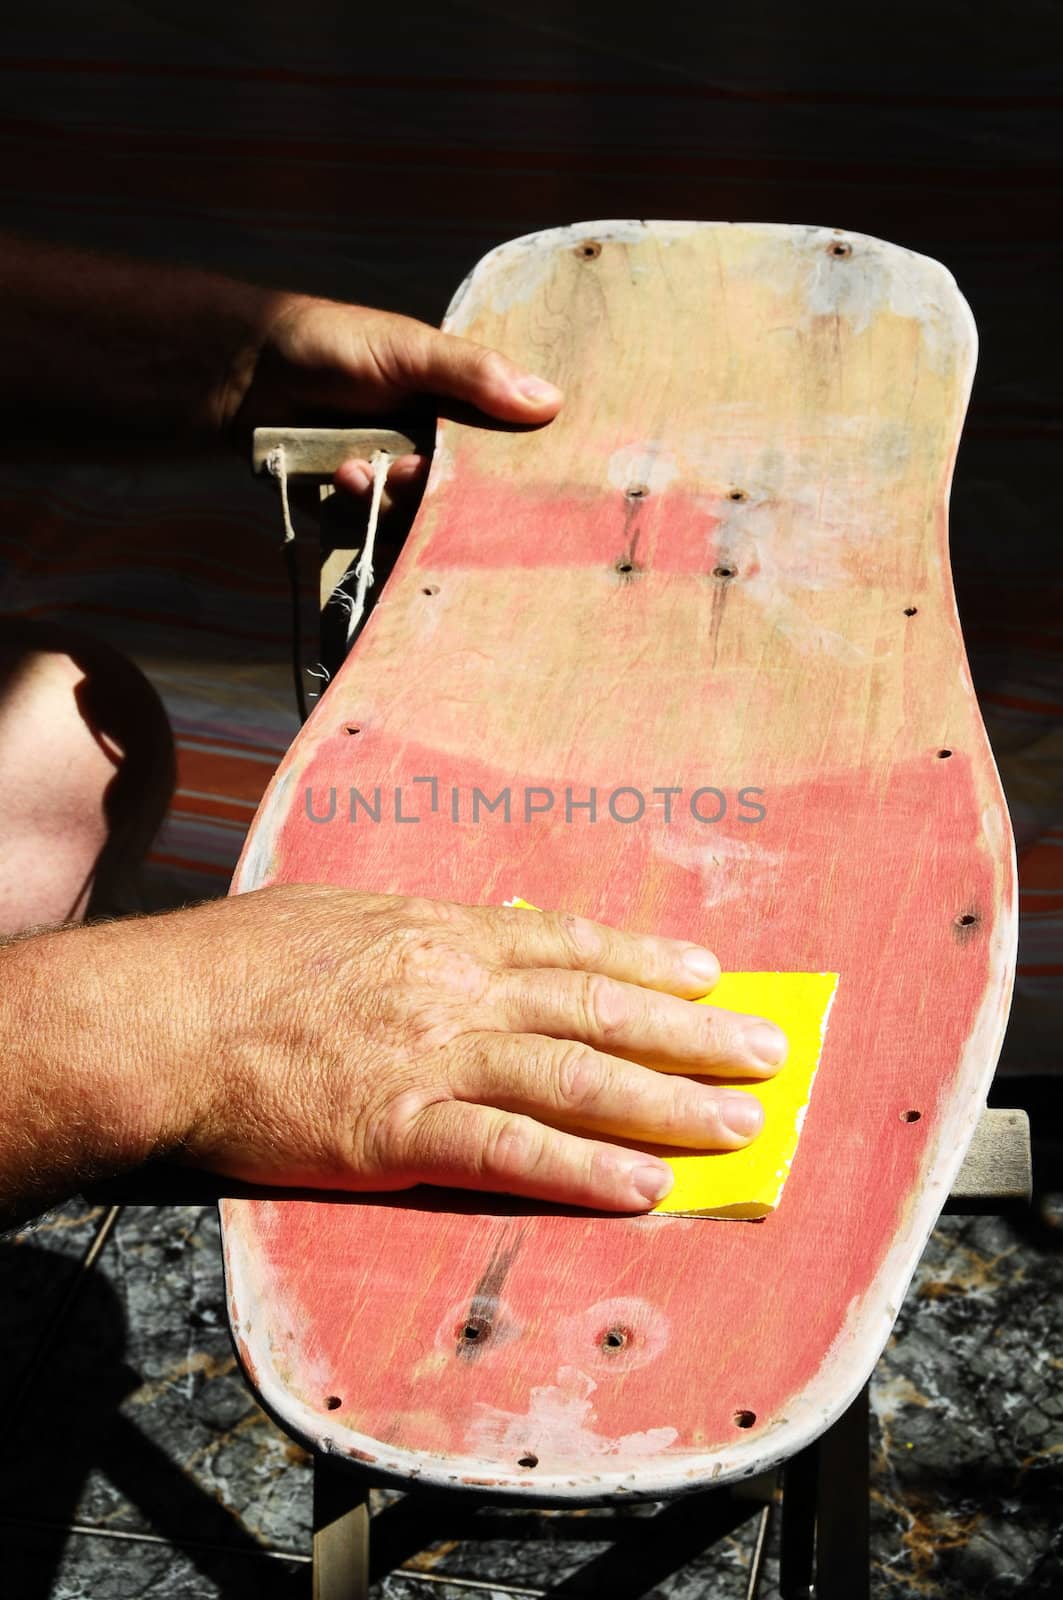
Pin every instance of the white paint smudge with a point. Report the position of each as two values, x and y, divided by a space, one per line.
441 470
257 864
729 869
649 462
559 1424
874 277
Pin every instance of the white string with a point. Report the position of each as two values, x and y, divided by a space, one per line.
321 674
277 467
380 461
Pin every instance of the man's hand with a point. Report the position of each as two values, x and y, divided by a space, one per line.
320 357
316 1036
103 342
309 1035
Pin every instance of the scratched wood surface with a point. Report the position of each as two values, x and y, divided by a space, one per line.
723 568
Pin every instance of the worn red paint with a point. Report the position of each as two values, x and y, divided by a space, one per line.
894 1037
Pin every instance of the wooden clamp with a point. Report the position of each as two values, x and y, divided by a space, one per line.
997 1169
313 456
319 452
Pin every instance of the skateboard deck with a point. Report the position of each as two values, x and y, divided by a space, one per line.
715 591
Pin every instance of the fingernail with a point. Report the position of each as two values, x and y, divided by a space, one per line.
767 1043
538 391
743 1115
702 965
652 1183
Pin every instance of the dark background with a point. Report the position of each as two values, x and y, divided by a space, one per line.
374 153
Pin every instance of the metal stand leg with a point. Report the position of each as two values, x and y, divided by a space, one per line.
825 1514
341 1534
798 1537
843 1535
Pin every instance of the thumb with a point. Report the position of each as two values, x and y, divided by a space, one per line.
424 361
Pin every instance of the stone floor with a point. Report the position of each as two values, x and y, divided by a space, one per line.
136 1463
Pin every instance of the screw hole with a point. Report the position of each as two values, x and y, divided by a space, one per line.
528 1461
910 611
911 1116
724 572
738 494
840 248
966 920
615 1339
637 491
745 1419
352 727
943 755
333 1402
430 589
589 251
624 567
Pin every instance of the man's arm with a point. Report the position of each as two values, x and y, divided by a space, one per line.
308 1035
135 347
315 1036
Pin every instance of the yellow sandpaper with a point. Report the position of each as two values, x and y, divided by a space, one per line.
748 1183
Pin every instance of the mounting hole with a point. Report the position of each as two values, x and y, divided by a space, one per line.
430 589
738 494
589 250
637 491
910 611
528 1461
724 572
943 755
615 1338
911 1116
474 1330
966 919
745 1419
332 1402
624 566
352 727
840 249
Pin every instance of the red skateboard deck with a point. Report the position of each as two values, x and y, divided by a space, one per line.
715 591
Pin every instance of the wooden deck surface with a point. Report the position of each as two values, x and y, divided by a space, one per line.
723 569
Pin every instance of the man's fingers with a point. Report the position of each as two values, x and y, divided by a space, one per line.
623 1019
477 1147
558 939
424 361
356 476
579 1087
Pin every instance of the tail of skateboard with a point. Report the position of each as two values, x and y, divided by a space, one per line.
686 660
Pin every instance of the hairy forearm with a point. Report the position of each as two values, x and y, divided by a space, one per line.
314 1036
109 343
93 1039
